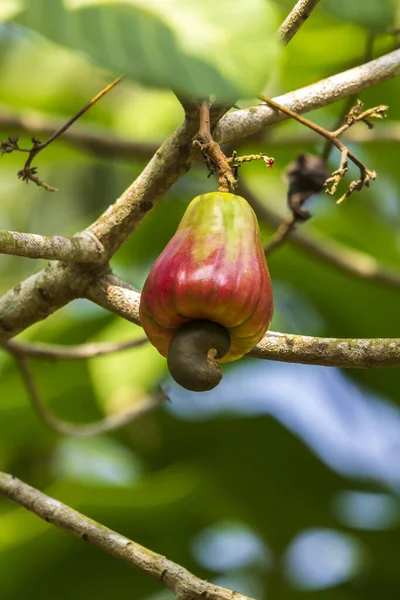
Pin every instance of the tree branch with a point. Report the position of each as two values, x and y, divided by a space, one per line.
99 142
242 123
106 144
55 351
183 584
295 19
169 163
109 423
25 304
123 300
42 294
366 175
115 295
83 247
346 353
388 131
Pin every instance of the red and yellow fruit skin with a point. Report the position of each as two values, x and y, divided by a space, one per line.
213 268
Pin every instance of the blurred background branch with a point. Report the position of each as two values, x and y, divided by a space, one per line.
57 351
110 423
95 140
103 143
183 584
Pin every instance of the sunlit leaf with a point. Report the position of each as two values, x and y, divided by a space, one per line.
124 378
197 48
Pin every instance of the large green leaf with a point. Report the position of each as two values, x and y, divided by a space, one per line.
198 48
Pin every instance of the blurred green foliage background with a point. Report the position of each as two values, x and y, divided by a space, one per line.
284 481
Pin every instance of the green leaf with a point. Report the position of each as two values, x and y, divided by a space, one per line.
122 379
197 48
375 14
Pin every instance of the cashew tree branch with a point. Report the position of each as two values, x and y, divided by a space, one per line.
122 299
295 19
83 247
43 293
181 582
242 123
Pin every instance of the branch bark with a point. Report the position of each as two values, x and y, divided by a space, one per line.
172 160
183 584
41 294
48 290
115 295
83 247
329 352
295 19
56 351
122 299
242 123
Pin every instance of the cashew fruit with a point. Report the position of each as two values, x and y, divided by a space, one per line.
213 269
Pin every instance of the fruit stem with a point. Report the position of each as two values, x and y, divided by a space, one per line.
193 354
212 153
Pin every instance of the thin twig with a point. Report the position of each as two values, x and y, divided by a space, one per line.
110 423
55 351
317 128
183 584
357 114
96 140
366 174
29 173
280 235
327 149
295 19
212 153
87 106
388 131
